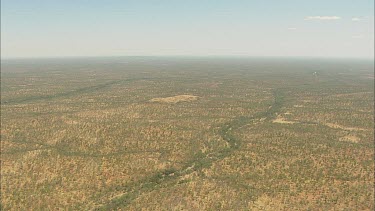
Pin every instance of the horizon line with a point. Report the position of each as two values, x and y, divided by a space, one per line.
181 55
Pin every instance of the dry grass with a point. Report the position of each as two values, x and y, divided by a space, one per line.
337 126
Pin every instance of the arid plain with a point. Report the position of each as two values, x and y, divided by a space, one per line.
163 133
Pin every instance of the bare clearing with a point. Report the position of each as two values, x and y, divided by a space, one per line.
281 120
350 138
175 99
298 106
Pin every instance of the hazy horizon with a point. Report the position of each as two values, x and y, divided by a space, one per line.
371 59
54 29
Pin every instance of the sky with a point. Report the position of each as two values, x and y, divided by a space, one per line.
288 28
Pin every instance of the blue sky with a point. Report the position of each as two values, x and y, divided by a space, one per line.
58 28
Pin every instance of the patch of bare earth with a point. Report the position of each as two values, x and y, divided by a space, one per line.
350 138
265 202
298 106
175 99
281 120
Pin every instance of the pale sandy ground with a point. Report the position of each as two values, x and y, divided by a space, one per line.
350 138
175 99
